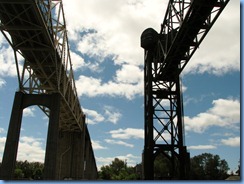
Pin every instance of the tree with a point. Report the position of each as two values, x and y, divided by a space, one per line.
162 167
238 172
117 170
28 170
208 167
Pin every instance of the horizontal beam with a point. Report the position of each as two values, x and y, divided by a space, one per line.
20 28
16 1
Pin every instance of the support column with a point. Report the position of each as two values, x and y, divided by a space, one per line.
64 155
12 141
88 160
77 167
50 168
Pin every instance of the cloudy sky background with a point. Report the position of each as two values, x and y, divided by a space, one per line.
108 64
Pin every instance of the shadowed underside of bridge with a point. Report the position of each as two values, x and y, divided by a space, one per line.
36 30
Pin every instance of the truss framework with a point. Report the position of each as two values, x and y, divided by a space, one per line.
37 32
185 25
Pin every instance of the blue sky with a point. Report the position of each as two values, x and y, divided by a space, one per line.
108 67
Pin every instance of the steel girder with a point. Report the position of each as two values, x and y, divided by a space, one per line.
36 30
185 25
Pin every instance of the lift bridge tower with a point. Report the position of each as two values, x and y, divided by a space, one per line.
185 25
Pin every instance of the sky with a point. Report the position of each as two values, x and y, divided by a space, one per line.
108 65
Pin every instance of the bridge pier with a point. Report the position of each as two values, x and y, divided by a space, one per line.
66 151
70 162
52 139
12 141
90 163
21 101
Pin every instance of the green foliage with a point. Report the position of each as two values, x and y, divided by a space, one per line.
162 167
28 170
117 170
208 167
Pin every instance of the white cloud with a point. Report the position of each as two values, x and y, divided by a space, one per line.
78 63
116 26
224 113
127 133
31 149
29 112
232 141
111 114
201 147
110 141
129 74
96 145
2 130
7 62
93 117
2 145
2 82
92 87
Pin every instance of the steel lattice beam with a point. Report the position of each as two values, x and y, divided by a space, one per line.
185 25
36 30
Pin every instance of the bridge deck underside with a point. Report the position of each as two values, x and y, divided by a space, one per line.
30 35
185 38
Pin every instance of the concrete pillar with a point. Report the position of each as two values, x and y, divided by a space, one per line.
94 175
70 160
22 101
65 151
77 169
88 160
64 155
50 167
12 141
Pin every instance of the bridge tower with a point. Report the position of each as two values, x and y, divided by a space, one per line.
185 25
36 30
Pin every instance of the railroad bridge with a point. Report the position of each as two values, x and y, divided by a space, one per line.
36 30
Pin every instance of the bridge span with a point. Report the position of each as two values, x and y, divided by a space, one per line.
36 30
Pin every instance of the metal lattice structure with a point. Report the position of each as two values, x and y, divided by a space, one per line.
185 25
36 30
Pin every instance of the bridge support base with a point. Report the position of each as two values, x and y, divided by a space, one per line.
68 154
70 163
22 101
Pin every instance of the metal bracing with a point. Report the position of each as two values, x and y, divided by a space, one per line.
36 30
185 25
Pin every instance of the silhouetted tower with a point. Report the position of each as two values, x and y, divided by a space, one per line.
185 25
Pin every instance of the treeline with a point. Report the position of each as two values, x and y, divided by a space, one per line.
25 170
202 167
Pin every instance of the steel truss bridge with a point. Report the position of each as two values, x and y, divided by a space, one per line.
36 30
184 27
